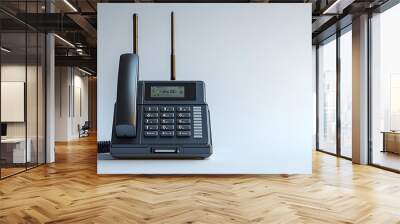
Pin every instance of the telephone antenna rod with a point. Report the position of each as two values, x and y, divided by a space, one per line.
173 75
135 33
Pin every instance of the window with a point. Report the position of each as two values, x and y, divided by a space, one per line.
385 89
327 97
346 94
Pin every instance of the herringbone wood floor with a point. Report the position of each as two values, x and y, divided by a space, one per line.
70 191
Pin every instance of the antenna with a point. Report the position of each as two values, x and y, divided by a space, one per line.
173 75
135 39
135 33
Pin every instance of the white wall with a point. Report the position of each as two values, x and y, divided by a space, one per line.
68 81
17 73
256 62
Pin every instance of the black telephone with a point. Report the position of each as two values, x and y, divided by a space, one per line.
159 119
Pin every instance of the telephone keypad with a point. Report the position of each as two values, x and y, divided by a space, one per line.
170 121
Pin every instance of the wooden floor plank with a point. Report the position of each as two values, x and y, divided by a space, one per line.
70 191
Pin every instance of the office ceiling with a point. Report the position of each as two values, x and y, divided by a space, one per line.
75 21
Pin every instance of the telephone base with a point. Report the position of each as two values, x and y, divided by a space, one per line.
160 152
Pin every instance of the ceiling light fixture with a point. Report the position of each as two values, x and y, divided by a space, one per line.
70 5
65 41
5 49
84 71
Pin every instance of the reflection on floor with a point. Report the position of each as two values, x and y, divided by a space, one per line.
386 159
10 171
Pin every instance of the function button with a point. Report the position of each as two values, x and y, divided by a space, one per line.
197 109
151 108
183 127
167 121
166 133
151 115
151 133
151 121
167 109
183 109
167 127
167 115
151 127
183 121
183 115
183 133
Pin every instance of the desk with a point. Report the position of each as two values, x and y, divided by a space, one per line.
391 141
15 148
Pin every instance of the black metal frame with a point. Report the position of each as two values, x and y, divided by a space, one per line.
36 164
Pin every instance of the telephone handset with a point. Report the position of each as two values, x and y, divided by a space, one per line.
125 106
159 119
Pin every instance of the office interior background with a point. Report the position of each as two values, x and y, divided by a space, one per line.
48 81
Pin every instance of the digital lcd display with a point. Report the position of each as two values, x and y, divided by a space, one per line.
167 91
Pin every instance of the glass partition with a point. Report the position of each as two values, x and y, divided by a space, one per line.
14 153
22 77
327 96
346 94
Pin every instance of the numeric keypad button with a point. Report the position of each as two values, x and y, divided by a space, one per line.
167 115
183 127
151 108
167 121
151 115
167 109
167 127
167 133
183 109
151 121
183 115
151 133
184 121
183 133
151 127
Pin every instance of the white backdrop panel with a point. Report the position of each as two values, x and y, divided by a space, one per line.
256 62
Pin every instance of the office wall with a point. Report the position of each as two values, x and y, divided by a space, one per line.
15 72
70 84
256 62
